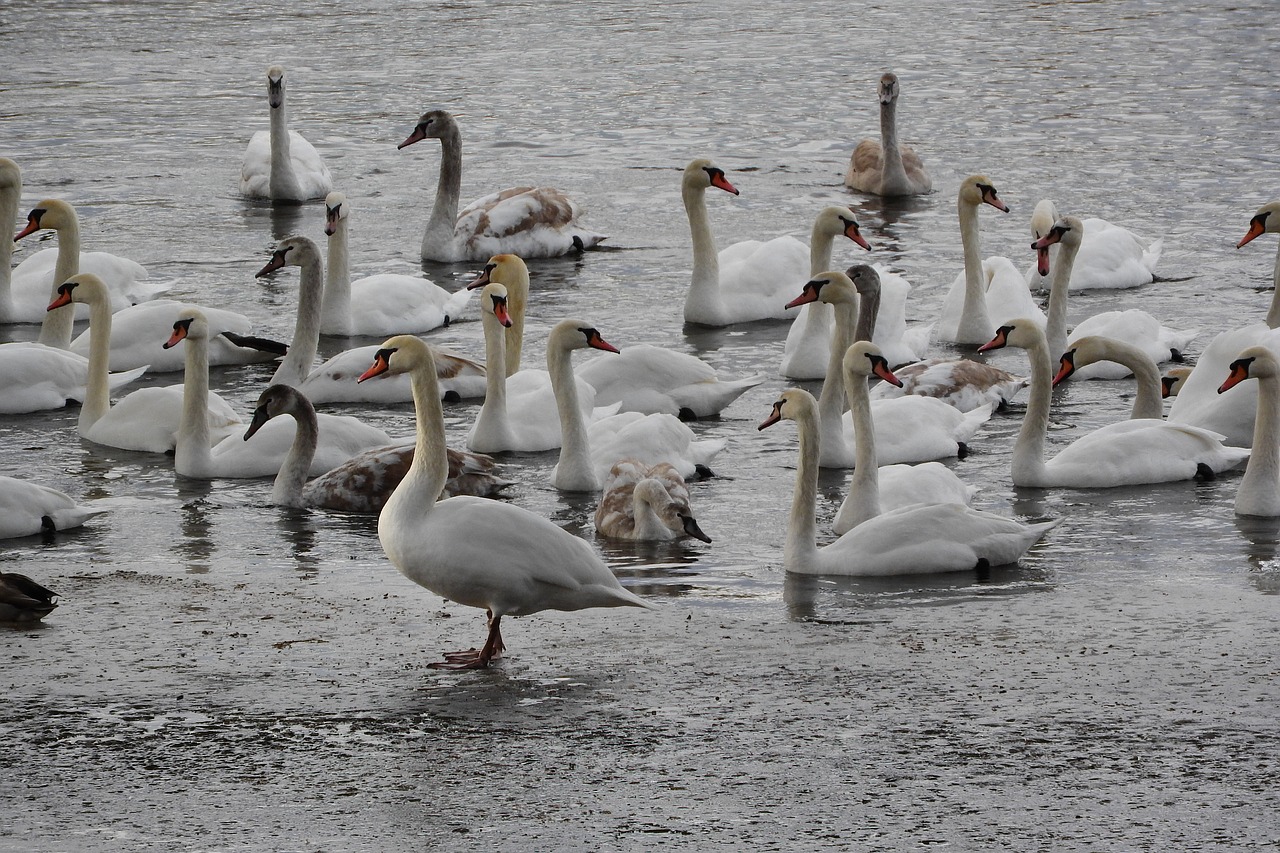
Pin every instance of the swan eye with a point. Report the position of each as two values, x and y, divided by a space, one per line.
65 289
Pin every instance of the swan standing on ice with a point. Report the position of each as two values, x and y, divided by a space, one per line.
533 222
887 168
279 164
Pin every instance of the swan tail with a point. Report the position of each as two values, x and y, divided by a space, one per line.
1151 254
115 381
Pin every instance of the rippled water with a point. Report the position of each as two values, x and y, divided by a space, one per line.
226 675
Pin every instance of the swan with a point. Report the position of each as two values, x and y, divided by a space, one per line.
744 282
1148 401
1233 412
805 354
1111 257
874 488
911 428
24 600
147 419
646 503
512 273
34 280
917 539
587 453
1128 453
334 380
28 508
384 304
533 222
340 437
1172 380
1132 326
279 164
521 412
477 552
989 291
887 168
1259 492
649 379
365 481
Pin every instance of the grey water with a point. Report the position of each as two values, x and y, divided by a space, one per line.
226 675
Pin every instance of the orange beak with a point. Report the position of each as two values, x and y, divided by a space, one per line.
880 368
380 365
774 416
1239 373
1000 340
597 342
1066 367
1257 226
719 181
179 335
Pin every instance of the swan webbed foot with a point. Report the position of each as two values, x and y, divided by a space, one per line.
687 414
47 525
702 472
962 450
1204 472
473 658
578 245
451 396
1176 355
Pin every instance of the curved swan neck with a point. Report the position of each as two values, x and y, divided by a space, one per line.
975 322
55 329
421 486
704 285
97 399
297 363
1055 329
292 478
283 183
802 529
1147 402
335 314
192 455
1028 449
444 213
1261 480
1273 314
863 501
574 472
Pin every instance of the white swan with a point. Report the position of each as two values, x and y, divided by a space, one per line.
365 481
1111 257
808 346
334 380
588 452
911 428
28 508
988 292
279 164
479 553
886 167
520 412
36 279
1148 400
1132 326
656 380
1128 453
340 437
1172 380
646 503
744 282
383 304
917 539
1232 413
1259 492
147 419
873 488
533 222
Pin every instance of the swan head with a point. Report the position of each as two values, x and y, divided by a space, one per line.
577 334
275 86
1254 363
1068 231
191 324
277 400
291 252
835 220
433 124
1043 217
506 268
1023 334
399 354
864 359
85 288
702 174
1266 220
493 300
792 405
335 211
52 213
673 512
888 88
10 174
1085 351
865 279
1173 380
831 287
978 189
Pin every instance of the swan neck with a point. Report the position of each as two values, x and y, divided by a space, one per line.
517 298
1055 329
192 454
297 363
335 315
55 329
9 201
1273 314
868 311
802 529
97 399
422 486
1262 473
493 411
831 399
864 485
1147 402
283 183
975 323
893 171
704 286
292 477
438 238
574 470
1028 450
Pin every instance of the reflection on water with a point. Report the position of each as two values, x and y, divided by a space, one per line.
1262 537
197 515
